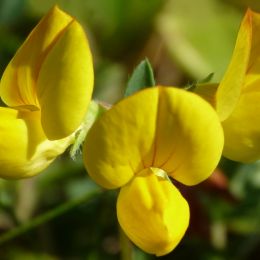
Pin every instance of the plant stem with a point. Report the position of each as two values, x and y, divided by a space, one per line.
19 230
126 246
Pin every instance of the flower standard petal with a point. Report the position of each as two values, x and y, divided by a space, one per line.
18 84
65 83
24 148
153 213
230 87
52 72
160 127
52 69
253 67
242 127
239 93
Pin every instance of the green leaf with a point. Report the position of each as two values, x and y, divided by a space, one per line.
141 78
191 86
207 79
246 181
10 11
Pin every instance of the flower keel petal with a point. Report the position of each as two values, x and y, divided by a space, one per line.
153 213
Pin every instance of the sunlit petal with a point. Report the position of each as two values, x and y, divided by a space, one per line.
207 92
161 127
242 127
65 83
238 94
117 143
18 84
52 72
24 149
253 68
153 213
230 87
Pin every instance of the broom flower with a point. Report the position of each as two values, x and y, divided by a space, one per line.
156 134
47 87
236 98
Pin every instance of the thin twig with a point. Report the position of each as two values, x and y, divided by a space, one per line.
19 230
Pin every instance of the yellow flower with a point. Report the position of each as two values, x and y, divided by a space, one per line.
137 144
47 86
237 97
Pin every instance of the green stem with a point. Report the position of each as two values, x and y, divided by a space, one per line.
17 231
126 246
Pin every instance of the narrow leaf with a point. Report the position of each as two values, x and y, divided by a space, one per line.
191 86
141 78
207 79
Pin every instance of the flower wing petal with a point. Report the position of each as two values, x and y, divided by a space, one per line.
152 213
230 87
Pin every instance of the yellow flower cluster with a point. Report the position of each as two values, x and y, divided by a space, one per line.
141 142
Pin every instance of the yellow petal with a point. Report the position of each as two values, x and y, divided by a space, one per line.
18 84
242 128
207 92
65 83
116 144
230 87
24 149
161 127
253 68
152 213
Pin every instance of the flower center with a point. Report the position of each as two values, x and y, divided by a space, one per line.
159 172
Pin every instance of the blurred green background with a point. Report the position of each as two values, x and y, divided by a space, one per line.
62 214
